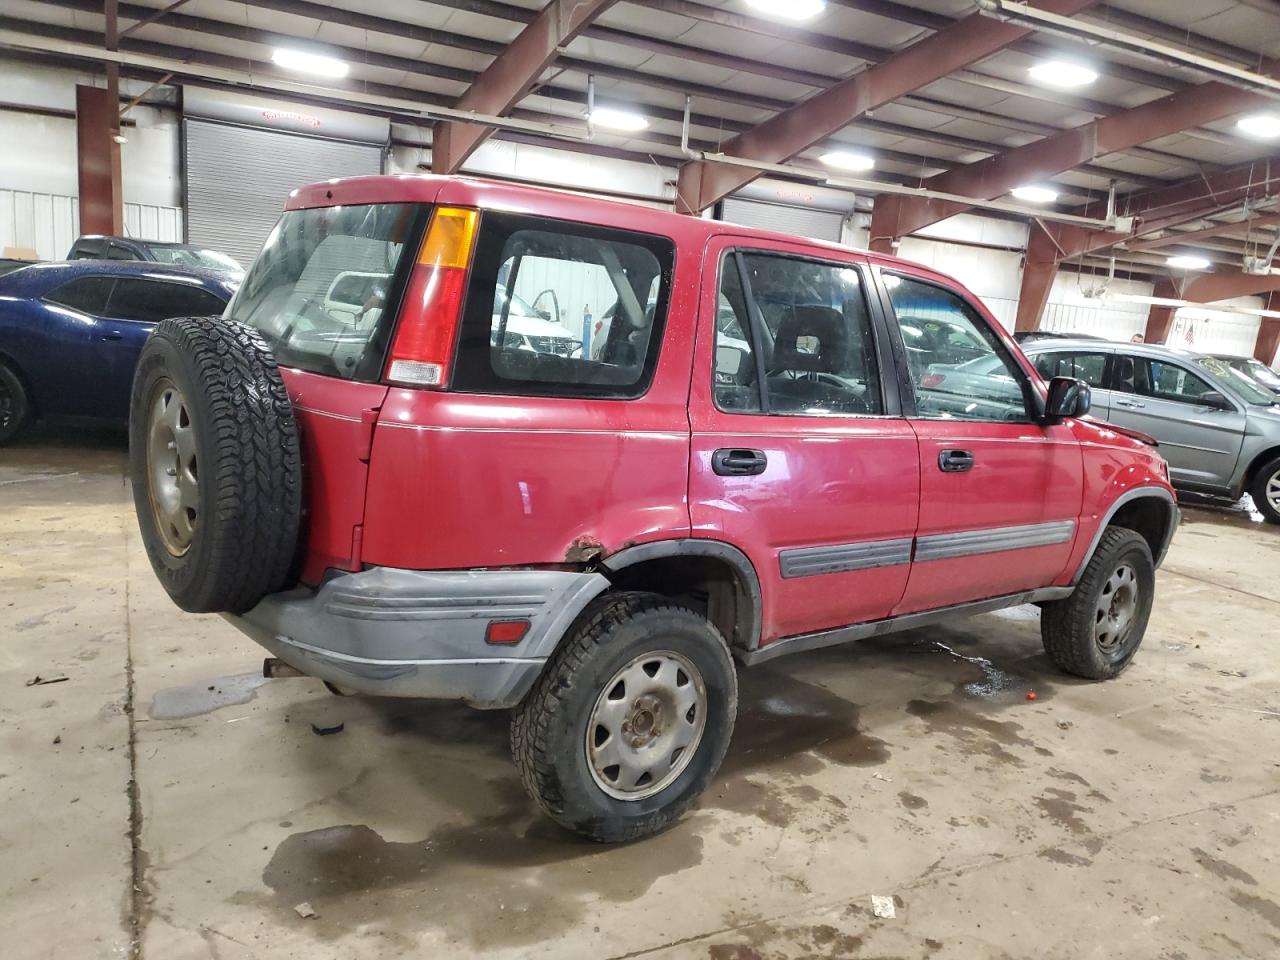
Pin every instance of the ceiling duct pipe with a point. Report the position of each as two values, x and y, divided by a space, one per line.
1074 28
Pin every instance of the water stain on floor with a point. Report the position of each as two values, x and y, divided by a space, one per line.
196 699
538 879
1060 806
978 734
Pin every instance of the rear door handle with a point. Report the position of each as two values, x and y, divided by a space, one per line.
1131 404
738 462
113 335
955 461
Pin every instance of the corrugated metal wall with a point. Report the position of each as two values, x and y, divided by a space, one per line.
238 179
801 221
50 223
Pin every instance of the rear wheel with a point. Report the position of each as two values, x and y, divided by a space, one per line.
15 405
1265 491
1095 632
629 720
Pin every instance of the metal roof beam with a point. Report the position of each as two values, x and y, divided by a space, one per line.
1227 229
509 77
995 176
783 136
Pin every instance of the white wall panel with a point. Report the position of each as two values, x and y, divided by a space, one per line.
49 223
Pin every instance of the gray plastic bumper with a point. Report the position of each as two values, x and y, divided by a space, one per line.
412 633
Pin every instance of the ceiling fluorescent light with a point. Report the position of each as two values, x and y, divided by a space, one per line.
1185 262
615 119
316 64
1263 125
1063 73
789 9
843 160
1034 194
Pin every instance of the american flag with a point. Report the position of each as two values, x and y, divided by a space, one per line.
1191 333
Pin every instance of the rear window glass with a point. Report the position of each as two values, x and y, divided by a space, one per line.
562 309
324 289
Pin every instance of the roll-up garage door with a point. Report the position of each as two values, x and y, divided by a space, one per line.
801 221
238 179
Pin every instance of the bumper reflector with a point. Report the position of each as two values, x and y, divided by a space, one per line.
506 631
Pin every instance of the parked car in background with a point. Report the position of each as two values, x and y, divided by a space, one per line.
70 333
98 247
755 462
1254 369
1029 336
1218 428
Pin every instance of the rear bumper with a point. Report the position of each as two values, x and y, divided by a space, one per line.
411 633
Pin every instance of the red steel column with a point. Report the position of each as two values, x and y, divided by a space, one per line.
1039 267
98 160
1160 318
1268 342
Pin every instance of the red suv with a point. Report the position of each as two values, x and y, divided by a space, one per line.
529 450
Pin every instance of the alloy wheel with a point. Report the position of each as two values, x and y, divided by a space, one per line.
172 472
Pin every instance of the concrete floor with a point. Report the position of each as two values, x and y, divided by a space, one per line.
1138 818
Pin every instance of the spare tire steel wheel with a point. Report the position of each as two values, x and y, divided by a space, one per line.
215 463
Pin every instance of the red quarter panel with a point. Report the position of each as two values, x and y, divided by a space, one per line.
335 433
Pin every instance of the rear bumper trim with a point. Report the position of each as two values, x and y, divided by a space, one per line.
412 633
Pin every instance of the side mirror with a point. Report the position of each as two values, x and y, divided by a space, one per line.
1216 400
729 360
1068 397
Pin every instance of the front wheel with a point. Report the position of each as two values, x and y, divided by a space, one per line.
1265 491
629 720
1095 632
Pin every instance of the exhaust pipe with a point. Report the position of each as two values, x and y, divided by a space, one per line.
273 668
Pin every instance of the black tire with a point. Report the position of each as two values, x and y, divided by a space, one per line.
243 528
1068 626
549 729
15 404
1258 490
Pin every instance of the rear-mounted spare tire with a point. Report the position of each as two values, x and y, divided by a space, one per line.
215 462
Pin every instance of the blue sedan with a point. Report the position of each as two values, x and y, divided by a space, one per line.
70 333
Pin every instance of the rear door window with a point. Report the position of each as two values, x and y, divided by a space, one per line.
562 309
812 331
151 301
1089 367
326 285
86 294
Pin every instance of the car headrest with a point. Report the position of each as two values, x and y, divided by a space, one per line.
811 338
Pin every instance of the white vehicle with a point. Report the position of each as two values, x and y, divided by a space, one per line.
525 329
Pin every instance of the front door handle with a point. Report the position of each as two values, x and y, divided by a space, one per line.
1131 404
113 335
955 461
738 462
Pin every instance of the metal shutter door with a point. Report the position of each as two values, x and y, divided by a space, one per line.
238 179
800 221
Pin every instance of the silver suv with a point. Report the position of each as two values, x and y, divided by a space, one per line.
1218 428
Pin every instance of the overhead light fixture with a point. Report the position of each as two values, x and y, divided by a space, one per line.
1063 73
1186 262
844 160
789 9
615 119
1264 125
1034 194
316 64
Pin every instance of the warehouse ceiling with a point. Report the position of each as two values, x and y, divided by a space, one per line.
968 98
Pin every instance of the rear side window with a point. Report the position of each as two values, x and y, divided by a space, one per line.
812 331
86 294
151 301
1089 367
117 252
326 285
562 309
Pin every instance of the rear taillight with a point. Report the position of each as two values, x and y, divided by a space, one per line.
428 327
931 380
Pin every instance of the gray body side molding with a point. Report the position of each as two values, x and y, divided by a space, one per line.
744 573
